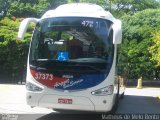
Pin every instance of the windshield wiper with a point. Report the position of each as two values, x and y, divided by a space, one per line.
99 70
90 67
89 60
38 65
42 62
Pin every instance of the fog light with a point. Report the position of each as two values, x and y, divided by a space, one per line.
104 91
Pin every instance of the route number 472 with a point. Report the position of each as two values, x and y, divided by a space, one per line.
91 24
88 23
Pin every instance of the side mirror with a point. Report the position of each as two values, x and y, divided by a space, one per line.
24 25
117 32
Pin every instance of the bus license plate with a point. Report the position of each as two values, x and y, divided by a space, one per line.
64 101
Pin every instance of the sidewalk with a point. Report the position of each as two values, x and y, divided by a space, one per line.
145 91
13 101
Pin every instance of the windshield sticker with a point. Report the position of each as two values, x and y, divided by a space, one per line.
68 83
62 56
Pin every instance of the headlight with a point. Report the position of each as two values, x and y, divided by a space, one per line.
104 91
32 87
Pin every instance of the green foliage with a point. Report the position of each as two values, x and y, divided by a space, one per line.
31 8
12 51
4 6
122 7
155 48
137 38
9 26
22 9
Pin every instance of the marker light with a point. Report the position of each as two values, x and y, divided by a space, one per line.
104 91
32 87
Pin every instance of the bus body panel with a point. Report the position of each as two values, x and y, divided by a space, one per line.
83 100
79 10
85 103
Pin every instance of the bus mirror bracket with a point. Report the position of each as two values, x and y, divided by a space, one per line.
117 32
24 25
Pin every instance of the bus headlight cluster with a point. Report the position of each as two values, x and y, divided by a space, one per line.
104 91
32 87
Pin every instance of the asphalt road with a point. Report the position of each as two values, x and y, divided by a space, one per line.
135 102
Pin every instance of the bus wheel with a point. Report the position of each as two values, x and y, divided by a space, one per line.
122 96
115 106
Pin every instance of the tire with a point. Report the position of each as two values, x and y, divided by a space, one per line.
122 96
115 106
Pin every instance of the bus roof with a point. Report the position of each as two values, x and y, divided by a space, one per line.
79 10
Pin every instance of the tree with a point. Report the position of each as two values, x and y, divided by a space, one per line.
134 6
122 7
30 8
4 6
137 38
155 48
19 9
13 52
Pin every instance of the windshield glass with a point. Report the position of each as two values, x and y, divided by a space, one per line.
60 43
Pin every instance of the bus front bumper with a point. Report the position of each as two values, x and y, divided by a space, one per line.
95 103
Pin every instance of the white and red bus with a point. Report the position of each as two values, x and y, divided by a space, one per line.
72 59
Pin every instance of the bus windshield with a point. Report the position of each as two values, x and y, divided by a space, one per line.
72 44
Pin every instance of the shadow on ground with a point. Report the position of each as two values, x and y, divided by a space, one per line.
138 105
129 105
